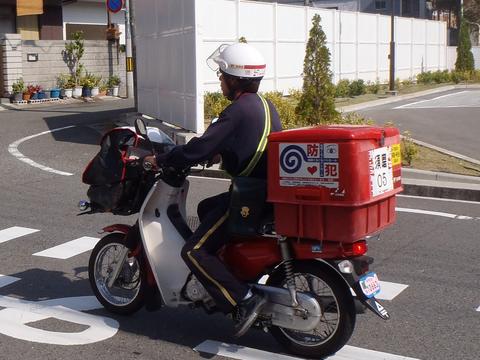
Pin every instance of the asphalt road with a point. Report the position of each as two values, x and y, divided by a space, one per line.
432 251
450 120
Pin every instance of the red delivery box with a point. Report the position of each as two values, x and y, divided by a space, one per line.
335 183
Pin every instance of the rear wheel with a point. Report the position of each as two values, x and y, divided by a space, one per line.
337 312
126 296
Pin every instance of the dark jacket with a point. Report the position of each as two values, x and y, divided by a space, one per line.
235 136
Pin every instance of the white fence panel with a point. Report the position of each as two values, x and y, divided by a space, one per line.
451 57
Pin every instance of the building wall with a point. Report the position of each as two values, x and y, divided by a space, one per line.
50 61
89 13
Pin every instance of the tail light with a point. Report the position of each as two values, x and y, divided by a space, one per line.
356 249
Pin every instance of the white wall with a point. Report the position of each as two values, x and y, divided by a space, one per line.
167 80
92 14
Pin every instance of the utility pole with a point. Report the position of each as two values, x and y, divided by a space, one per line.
392 90
129 52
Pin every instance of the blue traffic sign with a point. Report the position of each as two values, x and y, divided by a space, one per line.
114 6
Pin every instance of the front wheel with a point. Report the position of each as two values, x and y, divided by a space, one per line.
126 296
337 319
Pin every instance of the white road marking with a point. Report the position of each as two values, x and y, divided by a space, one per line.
244 353
436 213
69 249
422 101
13 149
478 309
18 313
15 232
439 199
389 290
7 280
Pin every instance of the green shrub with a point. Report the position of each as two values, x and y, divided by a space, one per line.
317 103
459 76
407 82
342 89
356 88
441 76
213 104
285 107
465 61
409 148
372 88
18 87
425 77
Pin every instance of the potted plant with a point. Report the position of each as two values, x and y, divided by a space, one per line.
65 83
17 89
87 82
103 87
72 55
114 83
33 91
55 93
96 85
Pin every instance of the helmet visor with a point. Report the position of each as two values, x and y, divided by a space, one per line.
214 60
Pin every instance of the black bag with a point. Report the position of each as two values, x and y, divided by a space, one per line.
117 181
247 205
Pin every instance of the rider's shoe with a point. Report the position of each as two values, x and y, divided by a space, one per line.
248 311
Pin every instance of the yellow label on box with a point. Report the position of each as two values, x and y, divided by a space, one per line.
396 155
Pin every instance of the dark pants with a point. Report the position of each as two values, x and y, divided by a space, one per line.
200 253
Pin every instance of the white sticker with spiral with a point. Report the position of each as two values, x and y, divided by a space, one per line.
309 165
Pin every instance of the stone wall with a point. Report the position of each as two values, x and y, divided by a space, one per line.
100 58
10 61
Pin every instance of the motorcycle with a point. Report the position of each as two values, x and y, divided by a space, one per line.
312 288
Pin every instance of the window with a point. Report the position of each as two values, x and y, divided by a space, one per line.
380 4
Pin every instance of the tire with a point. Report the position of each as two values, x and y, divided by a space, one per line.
126 296
338 312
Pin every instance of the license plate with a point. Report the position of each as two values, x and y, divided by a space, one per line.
370 284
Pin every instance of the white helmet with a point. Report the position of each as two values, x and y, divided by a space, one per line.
240 60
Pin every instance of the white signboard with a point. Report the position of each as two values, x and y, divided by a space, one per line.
381 174
309 165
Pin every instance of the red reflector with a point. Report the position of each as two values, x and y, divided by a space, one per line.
359 248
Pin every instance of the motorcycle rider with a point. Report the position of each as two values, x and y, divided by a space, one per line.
236 136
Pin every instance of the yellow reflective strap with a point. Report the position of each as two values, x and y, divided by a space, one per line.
216 283
263 141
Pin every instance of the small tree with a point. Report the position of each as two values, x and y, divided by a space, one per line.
317 103
72 55
465 60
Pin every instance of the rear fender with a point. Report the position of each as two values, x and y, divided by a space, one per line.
121 228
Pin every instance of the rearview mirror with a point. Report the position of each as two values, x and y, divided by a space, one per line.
140 127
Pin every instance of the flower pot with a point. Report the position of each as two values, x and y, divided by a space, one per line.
34 96
67 93
77 92
40 95
46 94
26 97
55 93
17 97
86 92
115 91
95 91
